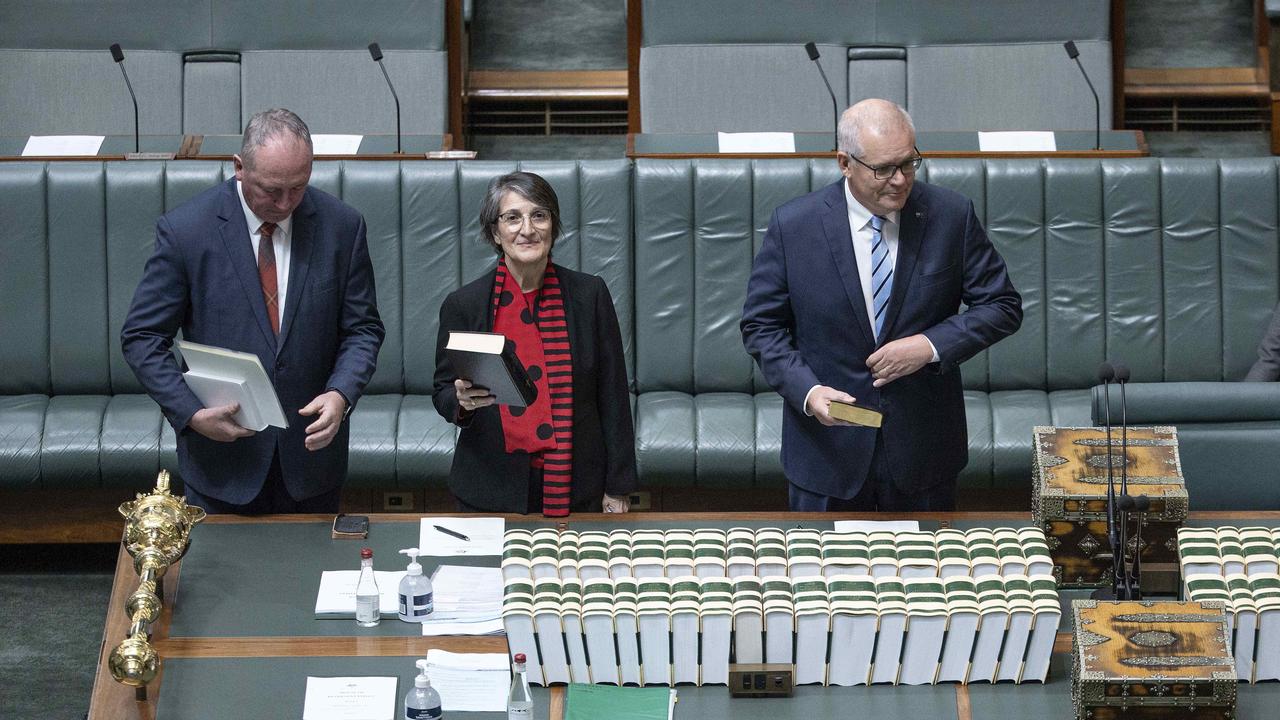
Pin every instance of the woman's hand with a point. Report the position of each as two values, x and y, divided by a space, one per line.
613 504
471 398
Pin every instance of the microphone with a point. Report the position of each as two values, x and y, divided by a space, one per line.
375 52
812 49
1107 374
1126 503
1074 54
118 55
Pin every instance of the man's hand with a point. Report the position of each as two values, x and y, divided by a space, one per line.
472 398
899 359
614 504
329 406
820 401
217 423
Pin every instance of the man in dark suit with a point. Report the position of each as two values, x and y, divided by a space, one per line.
1267 367
261 264
855 295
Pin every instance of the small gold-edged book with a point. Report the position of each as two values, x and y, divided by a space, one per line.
864 415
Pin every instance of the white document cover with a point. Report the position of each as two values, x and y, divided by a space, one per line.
218 377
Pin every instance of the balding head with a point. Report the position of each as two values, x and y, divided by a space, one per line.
872 118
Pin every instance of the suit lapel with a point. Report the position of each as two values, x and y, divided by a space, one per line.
913 217
301 245
235 239
835 225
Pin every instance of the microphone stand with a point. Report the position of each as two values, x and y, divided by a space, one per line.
376 53
812 49
1106 373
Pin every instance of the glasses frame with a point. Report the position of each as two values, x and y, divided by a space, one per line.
914 163
548 222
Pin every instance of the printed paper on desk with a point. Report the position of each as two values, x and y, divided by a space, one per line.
469 682
62 145
1017 141
757 142
867 526
484 536
350 698
323 144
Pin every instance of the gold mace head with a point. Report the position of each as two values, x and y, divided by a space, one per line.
158 522
134 662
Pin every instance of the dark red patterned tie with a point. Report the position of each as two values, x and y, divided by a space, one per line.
267 274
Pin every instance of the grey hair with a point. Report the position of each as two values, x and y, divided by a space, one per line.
527 185
852 123
269 124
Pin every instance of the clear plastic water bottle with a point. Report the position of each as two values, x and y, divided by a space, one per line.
519 700
368 613
422 702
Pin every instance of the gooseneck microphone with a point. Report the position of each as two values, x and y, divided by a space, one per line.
1106 374
1127 503
1074 54
812 49
118 55
375 52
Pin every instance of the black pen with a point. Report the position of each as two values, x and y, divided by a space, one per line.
454 533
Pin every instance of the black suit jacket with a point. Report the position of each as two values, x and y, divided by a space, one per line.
1267 367
484 475
805 322
202 279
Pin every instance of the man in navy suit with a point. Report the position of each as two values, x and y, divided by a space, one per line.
855 295
261 264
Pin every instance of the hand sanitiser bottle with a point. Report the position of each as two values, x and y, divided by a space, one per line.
415 591
422 701
519 700
367 611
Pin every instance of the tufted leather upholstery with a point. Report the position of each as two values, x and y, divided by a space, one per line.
1170 266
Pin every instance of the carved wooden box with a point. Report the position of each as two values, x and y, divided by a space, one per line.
1145 659
1069 497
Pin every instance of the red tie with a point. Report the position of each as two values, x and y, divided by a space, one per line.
267 274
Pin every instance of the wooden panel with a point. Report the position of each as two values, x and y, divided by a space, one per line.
547 84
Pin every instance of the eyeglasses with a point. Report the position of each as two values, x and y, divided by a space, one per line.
886 172
513 221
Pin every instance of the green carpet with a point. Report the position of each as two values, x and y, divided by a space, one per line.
53 600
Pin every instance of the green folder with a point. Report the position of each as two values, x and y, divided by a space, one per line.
592 702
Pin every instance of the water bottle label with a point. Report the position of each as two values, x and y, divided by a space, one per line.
516 713
420 600
426 713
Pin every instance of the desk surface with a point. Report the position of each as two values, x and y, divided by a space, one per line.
238 630
222 147
1074 144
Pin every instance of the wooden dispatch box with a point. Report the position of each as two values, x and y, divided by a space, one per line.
1144 659
1069 497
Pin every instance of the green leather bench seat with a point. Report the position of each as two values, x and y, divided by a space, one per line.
1170 266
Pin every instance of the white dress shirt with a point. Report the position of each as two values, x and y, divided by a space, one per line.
281 236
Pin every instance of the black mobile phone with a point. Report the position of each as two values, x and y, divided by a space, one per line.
351 525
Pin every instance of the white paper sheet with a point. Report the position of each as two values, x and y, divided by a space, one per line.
350 698
869 526
1017 141
757 142
469 682
51 145
325 144
484 536
337 594
481 627
468 601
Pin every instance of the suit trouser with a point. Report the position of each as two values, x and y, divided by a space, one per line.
879 493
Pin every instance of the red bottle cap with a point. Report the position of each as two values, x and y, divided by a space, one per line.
519 657
366 553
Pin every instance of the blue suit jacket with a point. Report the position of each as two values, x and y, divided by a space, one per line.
805 322
202 279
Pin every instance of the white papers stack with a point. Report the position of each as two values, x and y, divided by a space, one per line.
1017 141
350 698
336 597
756 142
330 144
483 536
469 682
220 377
62 145
468 601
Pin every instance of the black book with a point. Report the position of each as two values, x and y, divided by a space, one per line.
489 361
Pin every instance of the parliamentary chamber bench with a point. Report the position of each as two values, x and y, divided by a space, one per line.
1170 266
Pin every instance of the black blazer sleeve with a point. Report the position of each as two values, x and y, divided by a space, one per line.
614 398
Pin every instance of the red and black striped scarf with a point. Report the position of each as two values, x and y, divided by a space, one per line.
538 327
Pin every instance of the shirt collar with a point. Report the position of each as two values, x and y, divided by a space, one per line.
254 222
859 215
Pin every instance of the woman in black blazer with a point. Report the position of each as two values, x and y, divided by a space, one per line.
574 447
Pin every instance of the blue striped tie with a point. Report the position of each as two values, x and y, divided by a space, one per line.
881 273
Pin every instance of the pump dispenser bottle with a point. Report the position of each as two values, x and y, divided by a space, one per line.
422 701
416 601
